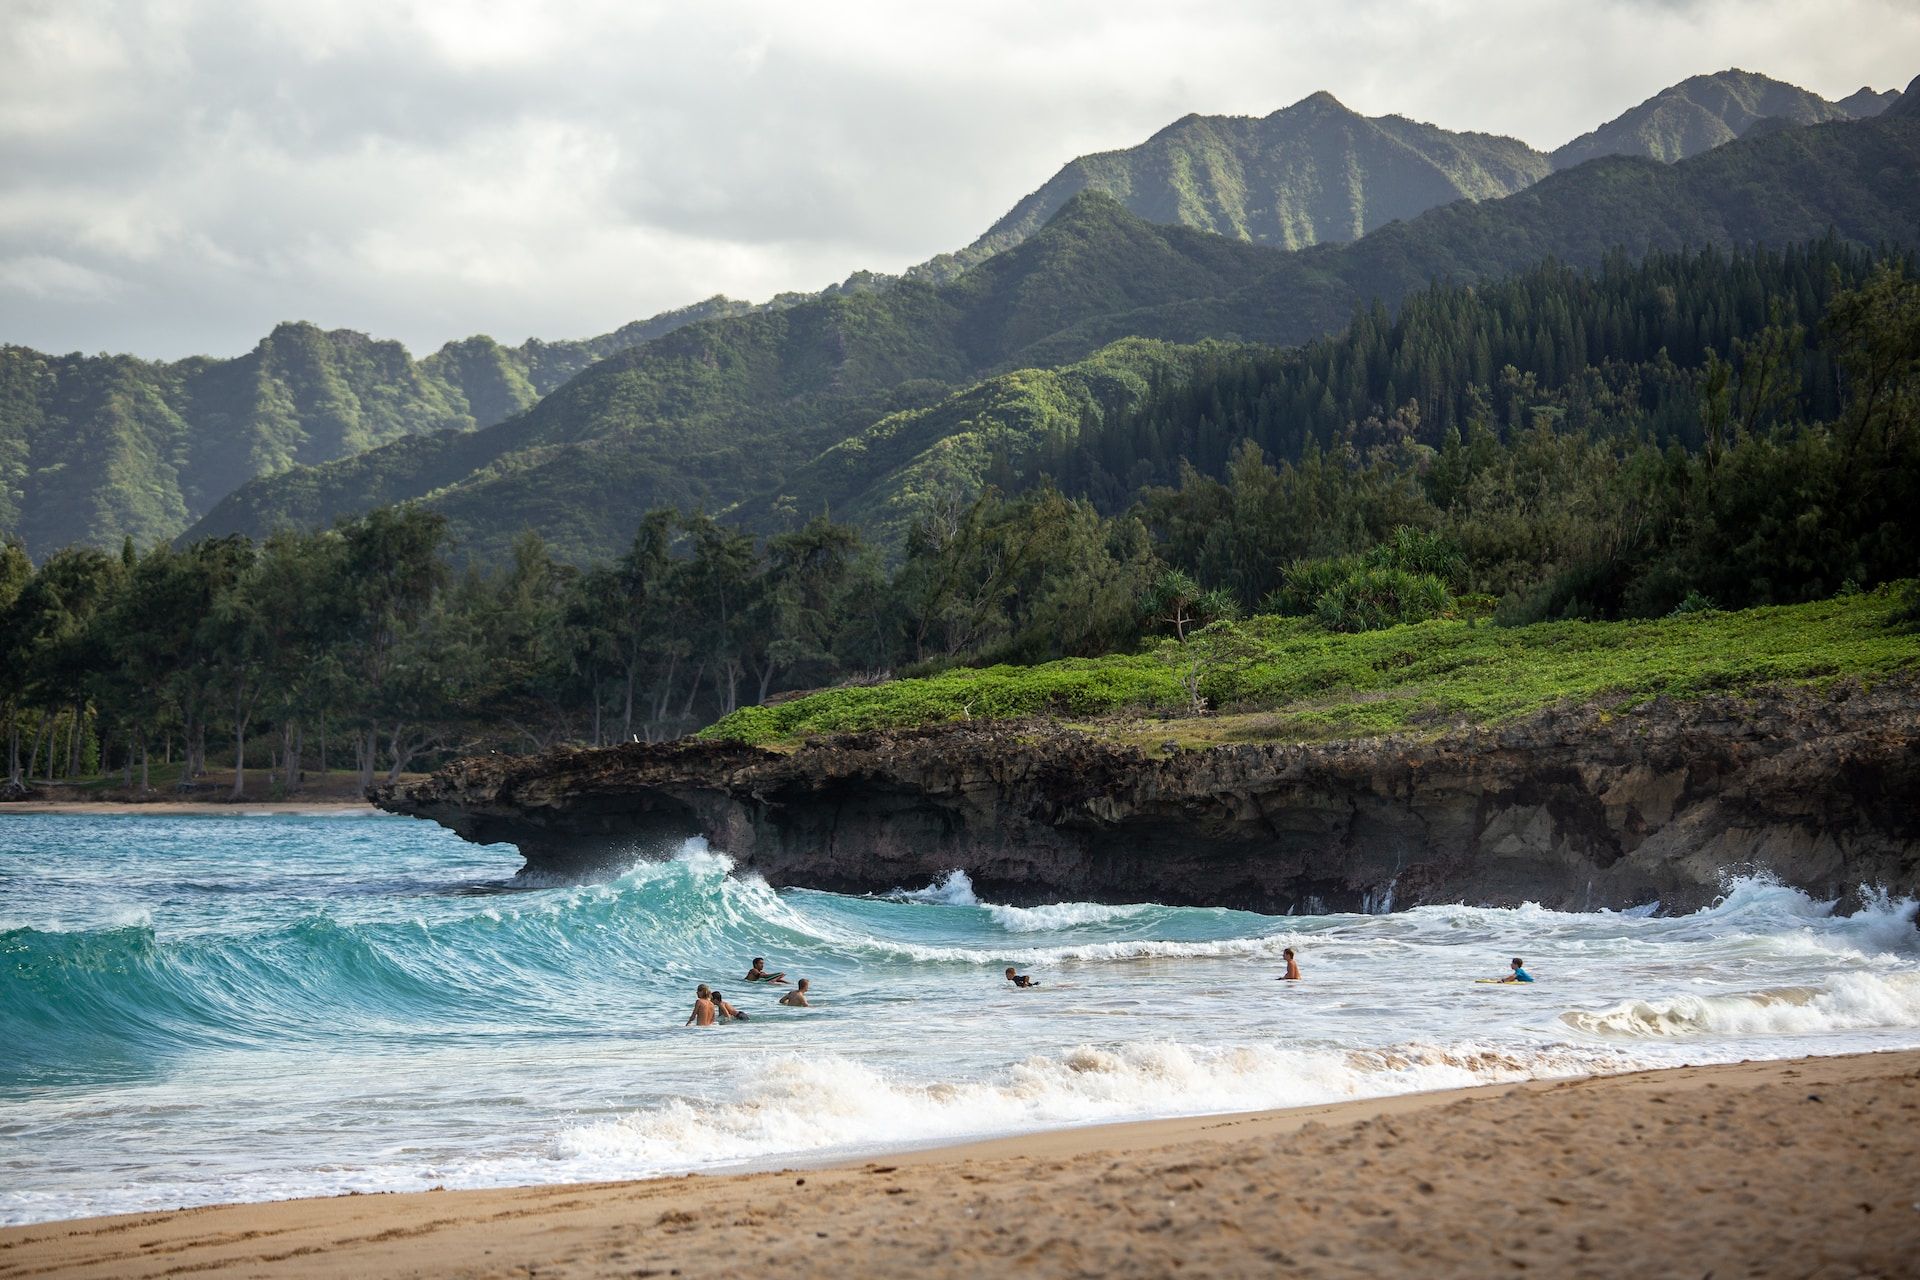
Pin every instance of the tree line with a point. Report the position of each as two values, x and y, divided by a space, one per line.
1780 463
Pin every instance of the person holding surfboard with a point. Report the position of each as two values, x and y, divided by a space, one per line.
1019 979
1519 973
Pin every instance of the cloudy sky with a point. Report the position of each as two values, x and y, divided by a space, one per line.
177 175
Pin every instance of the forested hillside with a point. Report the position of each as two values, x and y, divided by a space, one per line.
1691 433
738 411
1872 196
96 448
92 448
721 410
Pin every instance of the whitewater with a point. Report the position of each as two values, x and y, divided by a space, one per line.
209 1009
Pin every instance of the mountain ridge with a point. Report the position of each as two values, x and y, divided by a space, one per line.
1308 172
1696 115
1089 280
97 448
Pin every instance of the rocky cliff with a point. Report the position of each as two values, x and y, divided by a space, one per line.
1574 808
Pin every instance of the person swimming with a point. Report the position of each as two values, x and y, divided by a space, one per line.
1293 966
726 1012
759 972
1519 973
703 1014
1019 979
797 998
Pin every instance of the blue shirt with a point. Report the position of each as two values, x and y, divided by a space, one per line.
1521 975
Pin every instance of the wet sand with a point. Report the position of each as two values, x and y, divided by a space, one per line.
1797 1168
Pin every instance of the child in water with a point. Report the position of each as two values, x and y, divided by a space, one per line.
1019 979
797 998
1519 973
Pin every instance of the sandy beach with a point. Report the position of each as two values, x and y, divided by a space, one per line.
1808 1167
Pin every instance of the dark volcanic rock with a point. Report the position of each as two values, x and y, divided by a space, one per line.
1576 809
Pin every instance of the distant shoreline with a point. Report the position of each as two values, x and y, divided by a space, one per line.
183 808
1774 1167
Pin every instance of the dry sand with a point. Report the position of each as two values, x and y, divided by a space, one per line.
1803 1168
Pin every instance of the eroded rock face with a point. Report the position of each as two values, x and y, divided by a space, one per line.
1572 809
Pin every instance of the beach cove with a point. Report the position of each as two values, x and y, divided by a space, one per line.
210 1009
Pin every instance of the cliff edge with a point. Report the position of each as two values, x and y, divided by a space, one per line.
1578 809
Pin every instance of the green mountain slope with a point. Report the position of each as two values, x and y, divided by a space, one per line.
719 411
788 412
1698 114
1311 172
887 477
1907 105
96 447
1866 102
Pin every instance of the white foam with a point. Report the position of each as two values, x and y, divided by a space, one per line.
954 889
1849 1002
794 1105
1062 915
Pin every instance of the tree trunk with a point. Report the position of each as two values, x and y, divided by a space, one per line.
129 768
596 713
33 757
693 691
626 715
395 754
143 762
366 744
239 756
13 748
73 745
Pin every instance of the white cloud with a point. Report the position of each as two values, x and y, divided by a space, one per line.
40 276
181 174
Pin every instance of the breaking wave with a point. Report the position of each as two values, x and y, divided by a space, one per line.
1849 1002
796 1105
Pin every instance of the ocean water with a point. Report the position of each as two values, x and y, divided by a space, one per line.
196 1010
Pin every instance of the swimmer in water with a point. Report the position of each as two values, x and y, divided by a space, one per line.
1293 966
797 998
726 1011
1519 973
1019 979
759 972
703 1012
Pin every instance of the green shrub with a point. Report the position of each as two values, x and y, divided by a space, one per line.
1373 598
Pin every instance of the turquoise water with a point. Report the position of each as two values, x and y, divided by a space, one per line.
232 1008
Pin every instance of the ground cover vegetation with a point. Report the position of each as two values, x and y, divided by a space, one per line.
1393 575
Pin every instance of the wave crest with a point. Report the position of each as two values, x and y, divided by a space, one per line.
1851 1002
